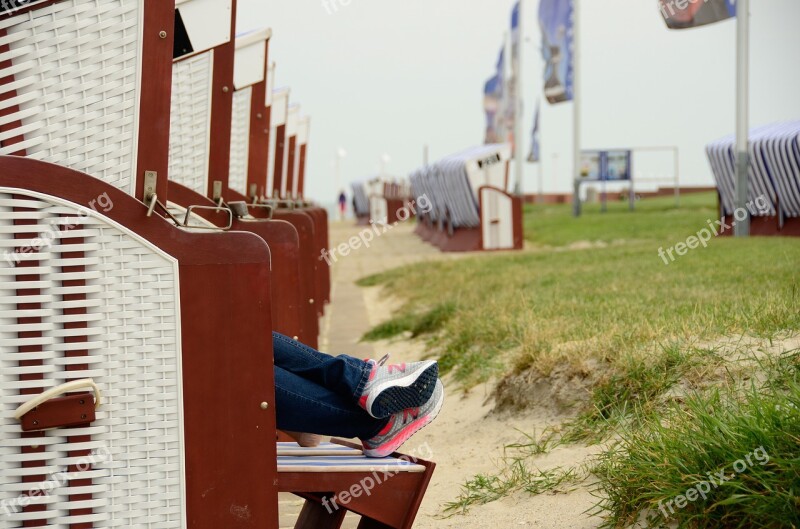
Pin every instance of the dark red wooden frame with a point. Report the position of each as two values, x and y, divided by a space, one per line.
227 361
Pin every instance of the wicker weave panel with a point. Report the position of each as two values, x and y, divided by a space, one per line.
240 140
74 66
190 121
128 336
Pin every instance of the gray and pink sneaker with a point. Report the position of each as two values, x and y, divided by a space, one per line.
396 387
404 424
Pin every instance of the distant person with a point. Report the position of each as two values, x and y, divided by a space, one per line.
342 205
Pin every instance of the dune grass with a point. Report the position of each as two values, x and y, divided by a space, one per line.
596 289
722 459
554 305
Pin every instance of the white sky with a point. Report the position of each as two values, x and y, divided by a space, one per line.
381 77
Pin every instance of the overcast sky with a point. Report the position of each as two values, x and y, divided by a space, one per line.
380 77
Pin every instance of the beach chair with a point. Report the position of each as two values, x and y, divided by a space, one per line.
761 182
212 118
782 157
282 209
472 202
134 392
360 203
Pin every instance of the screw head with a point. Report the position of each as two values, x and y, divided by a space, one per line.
311 301
36 423
162 34
226 89
264 405
259 115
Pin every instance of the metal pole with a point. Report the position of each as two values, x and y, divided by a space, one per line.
742 228
677 179
540 196
576 108
519 118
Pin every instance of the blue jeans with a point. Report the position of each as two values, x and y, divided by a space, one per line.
318 393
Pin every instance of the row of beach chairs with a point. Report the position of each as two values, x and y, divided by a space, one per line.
472 205
154 234
773 178
381 200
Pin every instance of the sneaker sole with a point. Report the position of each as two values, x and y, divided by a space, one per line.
411 391
406 434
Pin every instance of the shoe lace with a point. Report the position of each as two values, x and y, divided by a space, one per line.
384 359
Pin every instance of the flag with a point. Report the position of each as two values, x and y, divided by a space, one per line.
534 156
493 91
511 91
684 14
556 21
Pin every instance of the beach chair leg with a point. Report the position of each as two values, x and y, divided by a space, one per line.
315 516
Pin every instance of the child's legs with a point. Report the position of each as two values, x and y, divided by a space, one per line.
303 406
343 374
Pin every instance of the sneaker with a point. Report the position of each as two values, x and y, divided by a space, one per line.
403 425
397 387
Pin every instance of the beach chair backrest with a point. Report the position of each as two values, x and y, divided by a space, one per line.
276 168
248 122
303 132
200 105
83 85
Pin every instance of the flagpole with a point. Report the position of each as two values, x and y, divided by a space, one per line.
576 108
519 103
742 228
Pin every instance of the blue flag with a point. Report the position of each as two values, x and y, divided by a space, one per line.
493 91
684 14
557 25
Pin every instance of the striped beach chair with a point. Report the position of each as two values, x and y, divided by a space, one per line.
472 203
782 154
118 409
770 197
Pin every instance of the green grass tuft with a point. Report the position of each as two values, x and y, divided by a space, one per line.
709 433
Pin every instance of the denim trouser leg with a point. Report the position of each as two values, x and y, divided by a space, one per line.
318 393
342 374
305 406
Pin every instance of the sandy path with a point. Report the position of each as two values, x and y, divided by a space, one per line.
466 439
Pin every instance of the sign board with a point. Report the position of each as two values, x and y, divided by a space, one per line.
605 165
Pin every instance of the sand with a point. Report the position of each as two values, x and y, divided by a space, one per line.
467 438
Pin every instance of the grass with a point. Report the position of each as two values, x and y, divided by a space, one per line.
654 219
516 474
550 306
595 289
752 438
